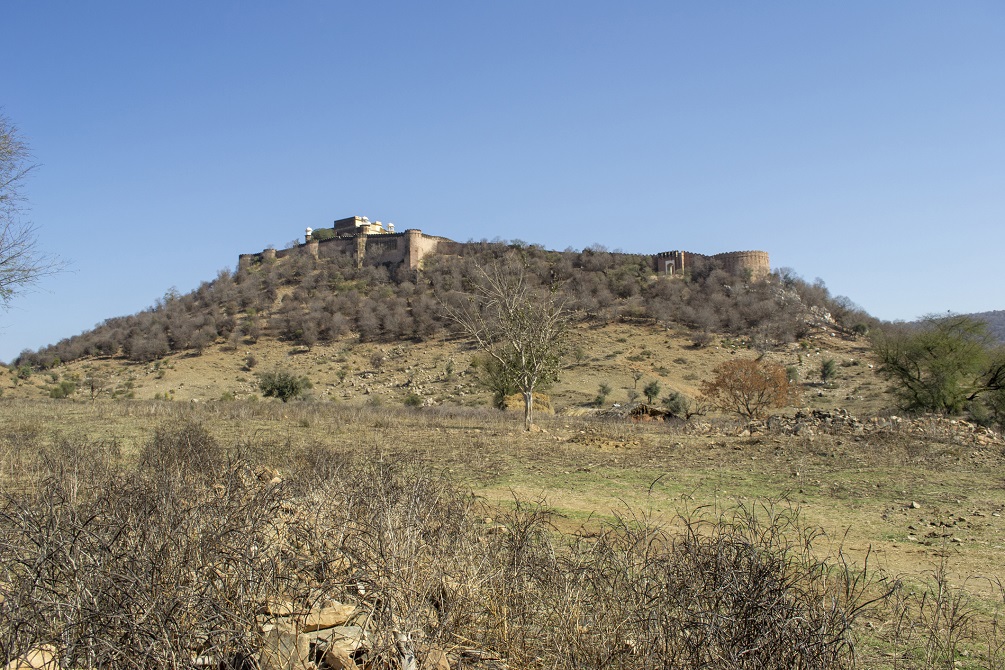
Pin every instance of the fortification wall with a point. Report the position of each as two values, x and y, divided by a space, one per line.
390 249
756 263
420 246
410 247
669 263
336 246
740 262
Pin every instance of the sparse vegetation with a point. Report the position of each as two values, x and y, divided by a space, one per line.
428 519
313 302
176 548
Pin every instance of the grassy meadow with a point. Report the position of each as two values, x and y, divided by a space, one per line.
917 517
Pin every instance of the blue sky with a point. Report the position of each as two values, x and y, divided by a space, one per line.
858 142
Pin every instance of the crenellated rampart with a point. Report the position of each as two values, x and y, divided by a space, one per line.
677 263
370 243
389 249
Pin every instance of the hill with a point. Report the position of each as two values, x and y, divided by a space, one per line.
838 487
995 321
369 334
444 370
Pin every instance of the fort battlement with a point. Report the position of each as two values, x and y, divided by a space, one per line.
368 243
677 263
373 243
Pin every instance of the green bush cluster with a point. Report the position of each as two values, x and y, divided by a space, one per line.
282 384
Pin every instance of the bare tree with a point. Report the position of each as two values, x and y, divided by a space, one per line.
21 261
523 328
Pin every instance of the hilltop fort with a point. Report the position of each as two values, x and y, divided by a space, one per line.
755 263
373 243
369 242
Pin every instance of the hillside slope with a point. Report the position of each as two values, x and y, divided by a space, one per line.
366 334
995 321
439 371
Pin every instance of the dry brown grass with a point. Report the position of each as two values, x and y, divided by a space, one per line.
439 370
943 555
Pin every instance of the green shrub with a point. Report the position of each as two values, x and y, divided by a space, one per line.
941 364
62 390
413 400
652 391
282 384
828 370
678 404
602 393
322 234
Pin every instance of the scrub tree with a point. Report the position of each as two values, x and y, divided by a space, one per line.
521 326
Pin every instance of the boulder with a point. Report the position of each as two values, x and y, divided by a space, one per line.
348 638
337 658
435 659
335 614
284 650
42 657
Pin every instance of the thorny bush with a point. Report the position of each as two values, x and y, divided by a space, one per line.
178 556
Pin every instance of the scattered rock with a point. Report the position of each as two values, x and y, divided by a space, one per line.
42 657
436 659
284 650
914 505
349 638
334 615
337 658
277 607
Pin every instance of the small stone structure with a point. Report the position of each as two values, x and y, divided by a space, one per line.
676 263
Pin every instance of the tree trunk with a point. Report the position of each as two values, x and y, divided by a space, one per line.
528 409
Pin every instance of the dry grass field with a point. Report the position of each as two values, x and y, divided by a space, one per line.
440 370
910 506
911 510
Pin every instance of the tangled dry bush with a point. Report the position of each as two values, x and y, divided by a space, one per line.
193 556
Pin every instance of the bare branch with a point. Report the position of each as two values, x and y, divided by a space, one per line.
22 264
522 328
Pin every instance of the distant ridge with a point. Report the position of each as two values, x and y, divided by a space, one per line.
995 321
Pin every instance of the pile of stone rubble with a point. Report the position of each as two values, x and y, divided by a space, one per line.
335 636
840 422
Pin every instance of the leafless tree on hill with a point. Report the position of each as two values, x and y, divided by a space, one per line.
523 328
21 261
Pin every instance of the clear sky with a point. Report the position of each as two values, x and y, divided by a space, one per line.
859 142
